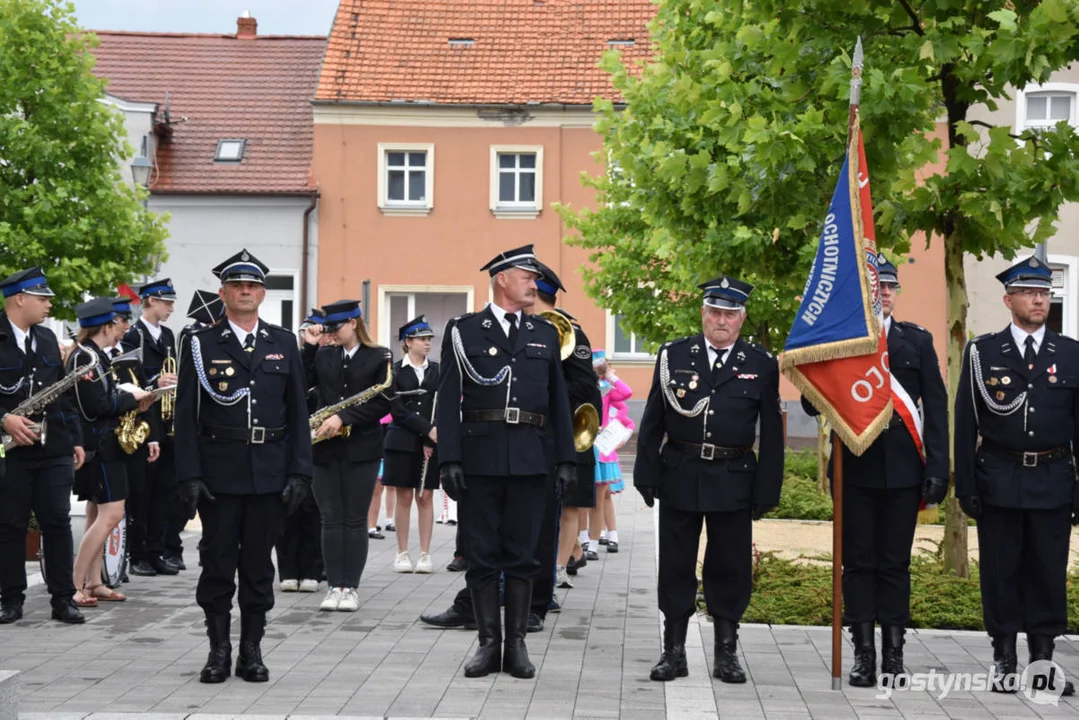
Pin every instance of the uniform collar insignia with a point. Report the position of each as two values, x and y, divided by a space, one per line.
741 355
695 349
225 332
263 332
486 324
529 325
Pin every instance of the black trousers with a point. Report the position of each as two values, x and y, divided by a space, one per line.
1023 556
238 533
728 562
299 547
153 503
44 486
171 516
878 533
343 491
502 518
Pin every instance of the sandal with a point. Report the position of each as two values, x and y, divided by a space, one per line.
81 599
110 596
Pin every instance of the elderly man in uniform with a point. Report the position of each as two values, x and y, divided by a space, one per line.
243 453
708 389
501 389
883 490
1019 393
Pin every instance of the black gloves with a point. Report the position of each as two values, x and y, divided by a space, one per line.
757 511
648 493
565 478
972 506
296 491
192 492
934 490
453 480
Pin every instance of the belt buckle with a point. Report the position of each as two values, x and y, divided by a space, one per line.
513 415
708 451
258 435
1030 459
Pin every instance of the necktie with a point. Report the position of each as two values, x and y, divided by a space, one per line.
718 366
512 320
28 348
249 343
1029 355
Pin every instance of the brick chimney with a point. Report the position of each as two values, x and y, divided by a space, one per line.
246 26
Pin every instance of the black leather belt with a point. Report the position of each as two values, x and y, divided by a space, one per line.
255 436
511 416
1028 459
707 451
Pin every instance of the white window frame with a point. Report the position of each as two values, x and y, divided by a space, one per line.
298 312
516 210
406 208
1052 88
384 292
642 358
1069 321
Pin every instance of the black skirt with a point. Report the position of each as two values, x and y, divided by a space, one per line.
402 469
584 495
101 481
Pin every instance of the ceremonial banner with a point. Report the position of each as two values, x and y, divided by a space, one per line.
836 353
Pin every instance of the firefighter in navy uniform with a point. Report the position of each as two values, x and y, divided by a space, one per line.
1019 393
883 490
243 457
709 389
500 391
38 476
154 506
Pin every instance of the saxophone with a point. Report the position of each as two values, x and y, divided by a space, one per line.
37 404
359 398
131 432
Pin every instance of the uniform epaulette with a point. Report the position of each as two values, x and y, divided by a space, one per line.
459 318
204 328
566 314
279 329
907 324
761 349
540 318
980 338
676 341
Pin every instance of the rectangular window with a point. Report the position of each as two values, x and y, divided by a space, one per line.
438 307
406 178
1047 108
626 344
516 181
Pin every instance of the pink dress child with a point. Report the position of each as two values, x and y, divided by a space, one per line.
615 393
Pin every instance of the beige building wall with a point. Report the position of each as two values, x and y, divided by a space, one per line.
987 312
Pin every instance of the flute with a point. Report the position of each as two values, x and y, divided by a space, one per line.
427 458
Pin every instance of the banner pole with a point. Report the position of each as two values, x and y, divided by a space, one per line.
837 563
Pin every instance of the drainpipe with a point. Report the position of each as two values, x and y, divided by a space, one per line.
306 250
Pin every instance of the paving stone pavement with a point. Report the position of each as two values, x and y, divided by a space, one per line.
140 659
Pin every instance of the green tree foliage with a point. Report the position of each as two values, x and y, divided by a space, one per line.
63 202
730 141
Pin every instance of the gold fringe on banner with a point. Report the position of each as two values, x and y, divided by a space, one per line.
856 443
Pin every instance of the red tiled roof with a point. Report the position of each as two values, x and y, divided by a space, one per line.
543 51
257 89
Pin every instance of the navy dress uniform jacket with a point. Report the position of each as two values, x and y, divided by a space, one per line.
497 448
746 390
1044 419
335 380
412 413
582 384
154 353
273 375
63 431
893 461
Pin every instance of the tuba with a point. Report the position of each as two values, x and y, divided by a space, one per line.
585 417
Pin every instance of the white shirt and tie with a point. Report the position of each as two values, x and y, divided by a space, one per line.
420 370
241 334
501 314
1020 337
717 355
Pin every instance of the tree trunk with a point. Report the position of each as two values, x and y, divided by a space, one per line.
823 445
955 524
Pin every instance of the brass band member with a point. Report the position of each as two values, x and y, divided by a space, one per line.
346 465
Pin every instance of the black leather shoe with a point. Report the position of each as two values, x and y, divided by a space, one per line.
451 618
535 622
143 569
612 547
515 658
1003 676
891 650
219 662
375 535
68 613
10 613
175 561
726 666
1041 648
672 663
249 665
163 568
864 671
458 564
572 566
488 657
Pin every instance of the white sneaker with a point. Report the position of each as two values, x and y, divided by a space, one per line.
350 600
403 563
425 565
563 579
309 585
289 585
333 599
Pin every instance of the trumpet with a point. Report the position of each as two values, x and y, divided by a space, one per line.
168 400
